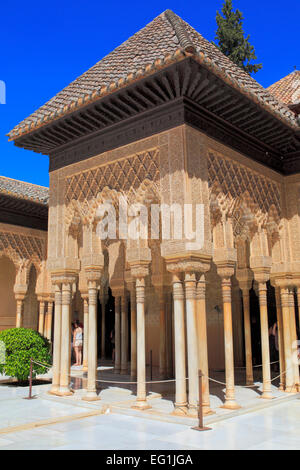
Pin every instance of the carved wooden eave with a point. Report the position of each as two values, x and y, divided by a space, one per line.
23 212
186 92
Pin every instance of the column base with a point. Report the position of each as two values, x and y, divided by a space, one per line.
91 396
64 392
230 405
124 371
266 396
141 405
249 382
206 410
291 389
133 375
192 411
180 410
281 387
117 371
54 390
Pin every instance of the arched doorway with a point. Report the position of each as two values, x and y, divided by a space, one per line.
8 302
31 308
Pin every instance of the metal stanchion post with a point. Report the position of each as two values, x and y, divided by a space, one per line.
200 426
30 397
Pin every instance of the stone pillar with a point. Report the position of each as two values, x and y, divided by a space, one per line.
64 388
85 298
280 339
20 294
265 347
42 308
103 305
57 340
19 315
133 364
140 272
192 347
247 333
298 301
169 335
124 334
162 334
289 369
93 278
202 343
179 341
230 402
48 319
117 334
294 338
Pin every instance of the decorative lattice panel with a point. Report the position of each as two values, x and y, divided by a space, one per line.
235 180
121 175
26 247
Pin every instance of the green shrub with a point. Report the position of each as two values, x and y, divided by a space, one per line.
21 344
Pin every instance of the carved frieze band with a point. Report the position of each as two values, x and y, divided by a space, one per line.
121 176
233 183
21 246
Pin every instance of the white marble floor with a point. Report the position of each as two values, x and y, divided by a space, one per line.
277 427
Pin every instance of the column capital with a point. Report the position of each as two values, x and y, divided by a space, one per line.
284 281
261 267
225 260
64 277
20 291
139 269
188 263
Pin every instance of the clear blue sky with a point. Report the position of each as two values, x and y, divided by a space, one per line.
46 45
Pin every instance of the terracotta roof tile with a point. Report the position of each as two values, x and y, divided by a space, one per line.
287 89
24 190
167 36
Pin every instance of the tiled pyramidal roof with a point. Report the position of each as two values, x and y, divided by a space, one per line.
23 190
166 39
287 89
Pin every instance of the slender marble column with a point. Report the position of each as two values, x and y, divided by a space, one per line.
19 315
293 336
280 339
192 348
141 400
202 343
91 394
64 388
265 348
133 364
298 301
117 335
228 341
289 369
42 317
57 340
103 305
48 320
162 334
124 335
169 336
179 340
85 331
247 332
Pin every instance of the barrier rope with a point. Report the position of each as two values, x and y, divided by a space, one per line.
162 381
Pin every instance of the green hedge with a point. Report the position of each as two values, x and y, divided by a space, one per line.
21 344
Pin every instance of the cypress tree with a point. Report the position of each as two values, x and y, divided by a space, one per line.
231 38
